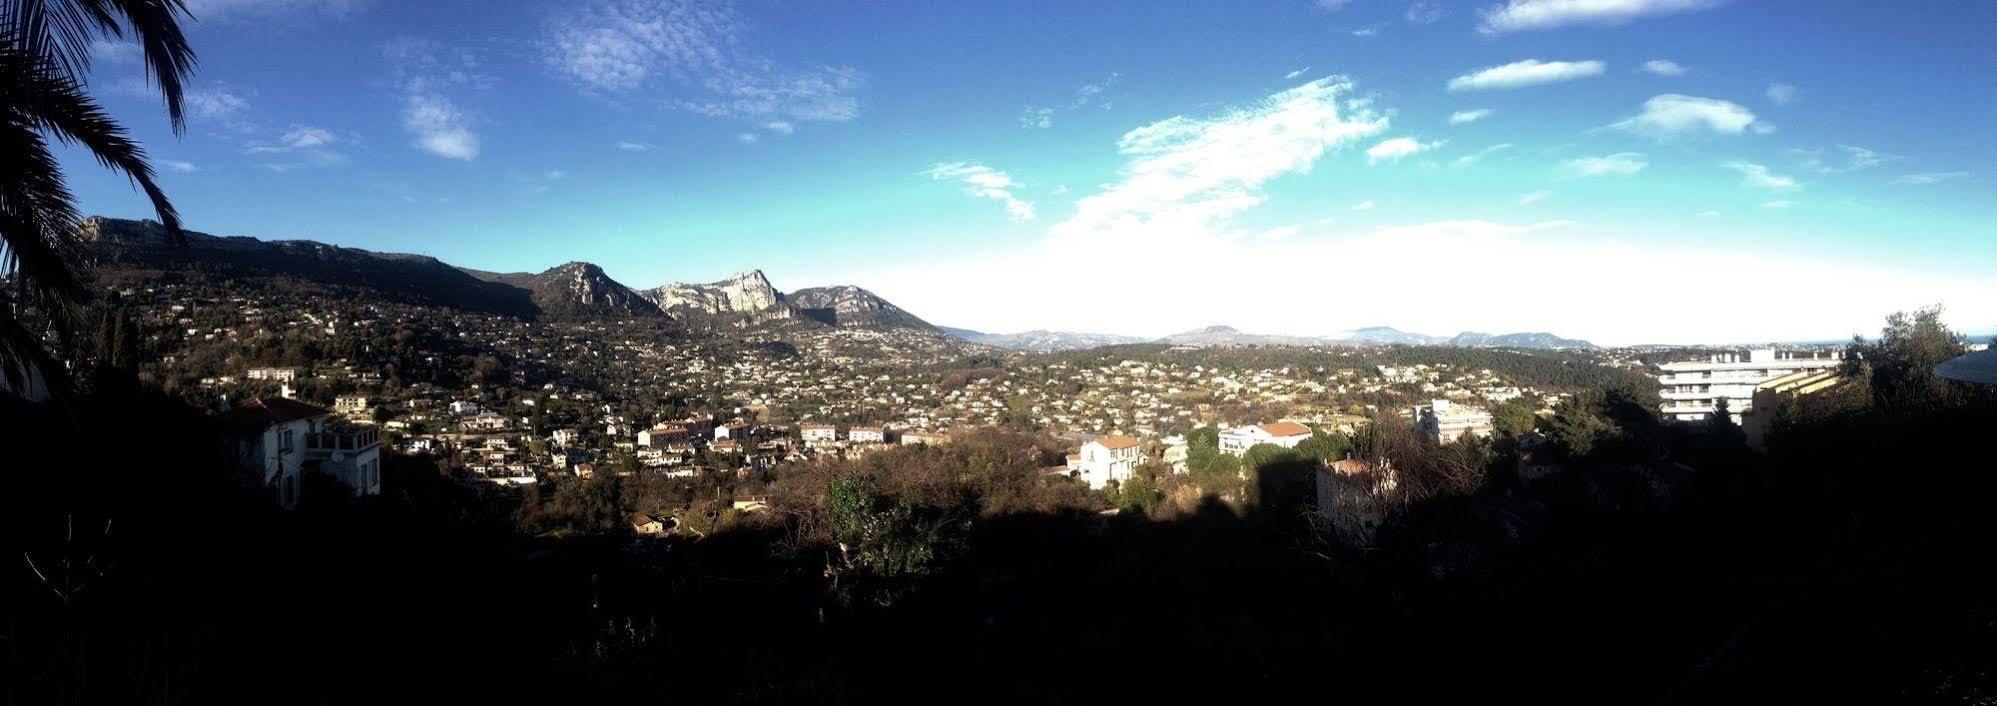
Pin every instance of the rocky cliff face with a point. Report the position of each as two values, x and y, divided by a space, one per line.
850 306
746 297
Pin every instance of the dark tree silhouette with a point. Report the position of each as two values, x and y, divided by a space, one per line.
44 57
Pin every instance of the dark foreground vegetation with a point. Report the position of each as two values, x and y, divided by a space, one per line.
1657 565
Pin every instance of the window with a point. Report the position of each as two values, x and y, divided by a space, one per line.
284 440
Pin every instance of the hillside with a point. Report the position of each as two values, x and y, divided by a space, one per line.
577 290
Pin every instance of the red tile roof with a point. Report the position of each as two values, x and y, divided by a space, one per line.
1286 429
1114 442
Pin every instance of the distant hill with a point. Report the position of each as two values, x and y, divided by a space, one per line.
1387 335
577 290
136 252
1540 340
1042 341
1230 336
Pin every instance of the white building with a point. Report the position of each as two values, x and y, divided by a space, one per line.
1236 442
1110 458
1691 389
280 440
272 374
866 435
819 432
1446 422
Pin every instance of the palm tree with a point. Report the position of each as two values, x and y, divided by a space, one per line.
44 58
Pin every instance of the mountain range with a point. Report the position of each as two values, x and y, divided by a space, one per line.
130 252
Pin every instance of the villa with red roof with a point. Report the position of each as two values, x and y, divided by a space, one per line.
1237 442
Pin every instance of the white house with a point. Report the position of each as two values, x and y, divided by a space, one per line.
279 440
1109 458
819 432
1236 442
866 435
565 437
272 374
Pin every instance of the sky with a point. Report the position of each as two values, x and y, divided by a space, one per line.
1627 171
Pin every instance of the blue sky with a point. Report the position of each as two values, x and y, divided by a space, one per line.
1624 170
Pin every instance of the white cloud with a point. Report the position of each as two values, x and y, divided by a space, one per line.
178 165
1663 67
748 138
1782 93
620 46
305 137
780 127
1330 5
1293 75
1469 116
1672 115
218 104
1855 159
1037 117
1394 149
1923 178
439 127
1535 197
1373 31
634 146
1366 205
985 183
1426 12
1474 157
1520 15
1618 164
1530 72
1759 177
1186 177
1778 204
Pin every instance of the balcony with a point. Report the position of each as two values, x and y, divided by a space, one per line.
342 439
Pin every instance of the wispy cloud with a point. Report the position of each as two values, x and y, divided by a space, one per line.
1469 228
177 165
219 104
427 73
1923 178
1469 116
1855 159
209 11
1663 67
1782 93
1293 75
1187 177
1425 12
1088 94
1479 155
634 146
620 46
1759 177
1521 15
1366 205
1530 72
1329 5
985 183
1672 115
1395 149
1618 164
1535 197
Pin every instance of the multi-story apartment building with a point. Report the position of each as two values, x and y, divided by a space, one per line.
1692 389
1446 422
